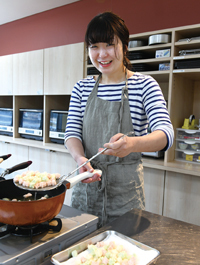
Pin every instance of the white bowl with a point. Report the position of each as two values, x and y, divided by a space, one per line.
182 146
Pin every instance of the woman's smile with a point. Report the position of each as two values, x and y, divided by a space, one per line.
105 63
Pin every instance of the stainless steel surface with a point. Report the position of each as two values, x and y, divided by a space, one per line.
189 52
189 39
136 43
159 38
65 254
19 250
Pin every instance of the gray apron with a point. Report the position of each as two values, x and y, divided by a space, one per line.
122 184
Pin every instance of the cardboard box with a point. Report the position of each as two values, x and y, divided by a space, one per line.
163 53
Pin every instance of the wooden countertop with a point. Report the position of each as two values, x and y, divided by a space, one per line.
178 242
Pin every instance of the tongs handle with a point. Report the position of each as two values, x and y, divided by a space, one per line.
131 133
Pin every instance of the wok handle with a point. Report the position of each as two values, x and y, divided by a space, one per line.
5 157
74 180
19 166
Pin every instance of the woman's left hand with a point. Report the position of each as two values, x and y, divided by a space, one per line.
118 147
122 147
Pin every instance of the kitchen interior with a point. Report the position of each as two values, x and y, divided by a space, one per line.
42 56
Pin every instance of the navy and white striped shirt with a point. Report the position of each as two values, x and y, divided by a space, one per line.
146 101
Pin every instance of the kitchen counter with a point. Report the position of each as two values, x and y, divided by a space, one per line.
178 242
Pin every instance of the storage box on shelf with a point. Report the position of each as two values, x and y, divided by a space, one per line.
188 145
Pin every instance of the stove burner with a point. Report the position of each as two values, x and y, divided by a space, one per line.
30 231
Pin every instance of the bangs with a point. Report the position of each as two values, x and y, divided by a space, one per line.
99 32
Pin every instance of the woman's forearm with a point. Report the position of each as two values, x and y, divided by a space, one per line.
154 141
75 147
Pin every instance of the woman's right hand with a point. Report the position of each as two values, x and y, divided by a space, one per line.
87 167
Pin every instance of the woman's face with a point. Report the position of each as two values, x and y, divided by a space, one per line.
107 58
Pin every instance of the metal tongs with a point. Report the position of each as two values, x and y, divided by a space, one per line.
77 178
127 134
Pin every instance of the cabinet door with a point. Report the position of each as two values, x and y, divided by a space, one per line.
52 162
18 153
182 197
63 67
28 73
154 188
6 74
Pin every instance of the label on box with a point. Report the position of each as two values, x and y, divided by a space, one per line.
189 157
164 66
163 53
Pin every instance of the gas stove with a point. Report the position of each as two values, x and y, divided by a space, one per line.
20 250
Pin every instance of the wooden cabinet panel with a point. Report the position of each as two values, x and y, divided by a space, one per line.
182 197
19 154
63 67
6 74
154 188
28 73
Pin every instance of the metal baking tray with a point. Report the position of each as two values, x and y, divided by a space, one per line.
64 255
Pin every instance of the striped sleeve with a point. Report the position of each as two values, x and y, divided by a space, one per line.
156 110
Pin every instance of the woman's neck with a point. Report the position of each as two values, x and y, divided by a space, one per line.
116 78
113 78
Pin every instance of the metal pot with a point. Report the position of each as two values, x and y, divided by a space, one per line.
159 39
136 43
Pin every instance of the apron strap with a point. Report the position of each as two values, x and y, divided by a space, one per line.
124 96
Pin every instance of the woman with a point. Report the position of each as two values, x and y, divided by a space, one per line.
105 107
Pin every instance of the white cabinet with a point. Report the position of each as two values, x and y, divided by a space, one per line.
182 197
28 73
154 188
18 153
6 75
63 67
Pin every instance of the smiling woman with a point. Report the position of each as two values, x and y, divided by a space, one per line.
105 107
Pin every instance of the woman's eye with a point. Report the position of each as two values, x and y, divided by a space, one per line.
110 44
93 46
